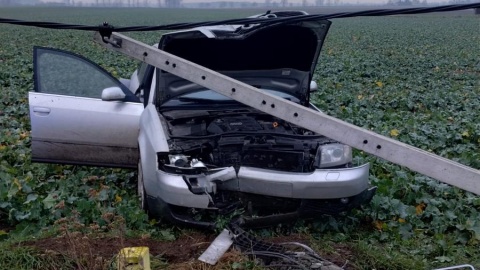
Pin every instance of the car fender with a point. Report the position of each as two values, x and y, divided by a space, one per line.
152 139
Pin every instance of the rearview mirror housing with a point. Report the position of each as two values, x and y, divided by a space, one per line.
113 94
313 87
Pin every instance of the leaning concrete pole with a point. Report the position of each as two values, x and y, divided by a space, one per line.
416 159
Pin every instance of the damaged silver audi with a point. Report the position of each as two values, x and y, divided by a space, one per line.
201 154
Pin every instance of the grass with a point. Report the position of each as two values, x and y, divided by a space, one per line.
19 257
413 78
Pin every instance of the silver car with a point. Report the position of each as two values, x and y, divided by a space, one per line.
200 154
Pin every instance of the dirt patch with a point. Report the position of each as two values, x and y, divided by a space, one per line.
182 249
181 253
338 254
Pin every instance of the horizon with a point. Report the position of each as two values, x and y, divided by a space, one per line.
224 3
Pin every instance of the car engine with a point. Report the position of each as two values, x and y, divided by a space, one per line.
243 138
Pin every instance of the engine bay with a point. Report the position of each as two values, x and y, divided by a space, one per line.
243 137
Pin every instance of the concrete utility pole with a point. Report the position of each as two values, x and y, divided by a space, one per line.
416 159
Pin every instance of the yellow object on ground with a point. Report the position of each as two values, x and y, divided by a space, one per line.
134 258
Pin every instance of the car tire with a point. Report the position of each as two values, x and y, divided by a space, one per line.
153 207
142 195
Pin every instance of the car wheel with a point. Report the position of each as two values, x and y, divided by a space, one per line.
141 188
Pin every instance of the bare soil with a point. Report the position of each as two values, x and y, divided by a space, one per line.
181 253
182 249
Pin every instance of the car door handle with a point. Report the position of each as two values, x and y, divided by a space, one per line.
41 111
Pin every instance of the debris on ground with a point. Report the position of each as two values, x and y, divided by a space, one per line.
288 255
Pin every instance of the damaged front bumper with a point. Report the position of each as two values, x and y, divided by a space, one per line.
320 184
193 190
330 191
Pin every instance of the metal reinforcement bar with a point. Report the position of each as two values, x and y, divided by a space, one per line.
415 159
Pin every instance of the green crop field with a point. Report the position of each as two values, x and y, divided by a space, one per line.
412 78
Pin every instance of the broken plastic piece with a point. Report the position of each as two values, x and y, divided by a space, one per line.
218 247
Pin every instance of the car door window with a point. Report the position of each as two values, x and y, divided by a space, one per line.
64 73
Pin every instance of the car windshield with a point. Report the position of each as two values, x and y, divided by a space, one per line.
210 96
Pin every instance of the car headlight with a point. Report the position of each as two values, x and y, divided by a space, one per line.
178 160
331 155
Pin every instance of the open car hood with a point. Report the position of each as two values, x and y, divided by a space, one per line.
280 57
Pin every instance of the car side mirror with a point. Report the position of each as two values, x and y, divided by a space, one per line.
313 87
113 94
